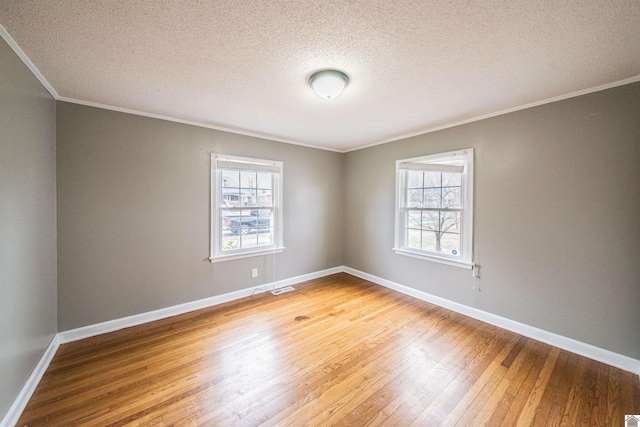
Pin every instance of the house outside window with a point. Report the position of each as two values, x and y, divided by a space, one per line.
434 208
246 207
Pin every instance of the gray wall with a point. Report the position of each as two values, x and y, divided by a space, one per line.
27 224
133 214
557 208
557 203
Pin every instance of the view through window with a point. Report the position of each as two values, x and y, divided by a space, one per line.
247 205
434 207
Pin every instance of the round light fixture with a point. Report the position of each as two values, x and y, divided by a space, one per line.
328 83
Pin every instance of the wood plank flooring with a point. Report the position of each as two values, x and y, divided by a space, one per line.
337 351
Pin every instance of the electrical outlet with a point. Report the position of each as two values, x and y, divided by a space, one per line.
254 272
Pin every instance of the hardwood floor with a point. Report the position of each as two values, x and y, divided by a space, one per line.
337 351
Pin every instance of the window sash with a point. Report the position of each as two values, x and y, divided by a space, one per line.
460 162
220 207
404 208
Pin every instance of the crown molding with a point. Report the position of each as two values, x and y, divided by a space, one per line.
25 59
191 123
23 56
503 112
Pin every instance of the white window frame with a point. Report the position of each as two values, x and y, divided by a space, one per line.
220 162
465 260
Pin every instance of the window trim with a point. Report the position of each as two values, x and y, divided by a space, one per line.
276 168
466 236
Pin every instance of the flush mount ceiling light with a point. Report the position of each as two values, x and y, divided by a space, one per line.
328 83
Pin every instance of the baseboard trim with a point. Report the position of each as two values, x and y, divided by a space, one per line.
587 350
583 349
150 316
13 414
11 417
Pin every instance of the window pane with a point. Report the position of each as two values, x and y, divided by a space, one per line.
414 198
432 179
434 231
444 243
451 180
414 238
231 222
265 237
249 240
414 219
432 197
265 198
257 238
230 179
450 222
414 179
248 179
230 189
431 220
264 219
255 189
248 197
450 244
243 229
429 241
230 197
230 242
264 180
440 190
451 197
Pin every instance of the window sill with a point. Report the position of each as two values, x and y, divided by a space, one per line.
442 260
229 257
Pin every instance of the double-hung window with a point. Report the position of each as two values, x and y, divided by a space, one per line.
246 207
434 208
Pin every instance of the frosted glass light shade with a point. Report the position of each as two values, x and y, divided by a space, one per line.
328 83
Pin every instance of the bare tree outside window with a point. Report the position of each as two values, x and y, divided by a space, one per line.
434 226
434 207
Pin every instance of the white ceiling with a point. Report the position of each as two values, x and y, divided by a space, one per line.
243 65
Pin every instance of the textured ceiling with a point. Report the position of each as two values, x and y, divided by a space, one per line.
243 65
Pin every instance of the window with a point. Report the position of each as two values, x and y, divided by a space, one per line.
246 207
434 208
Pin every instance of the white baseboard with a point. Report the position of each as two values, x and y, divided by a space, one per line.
587 350
13 414
150 316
